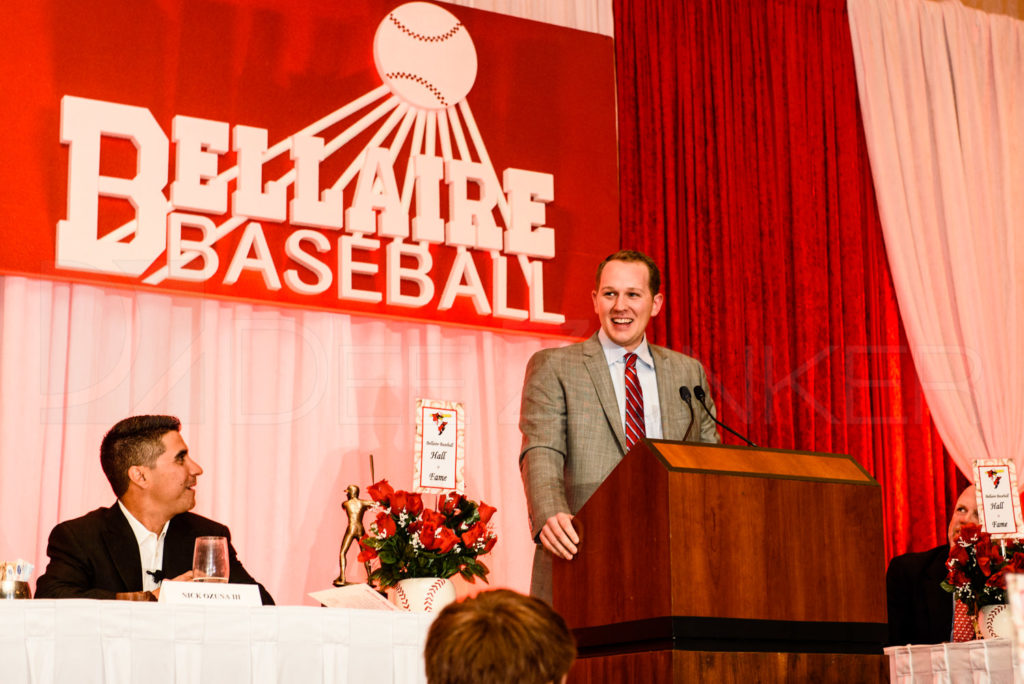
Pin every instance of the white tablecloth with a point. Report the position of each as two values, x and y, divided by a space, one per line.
115 642
985 661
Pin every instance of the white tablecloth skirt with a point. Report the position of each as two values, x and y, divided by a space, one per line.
115 642
986 661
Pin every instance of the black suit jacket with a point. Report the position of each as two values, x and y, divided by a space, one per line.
97 555
920 611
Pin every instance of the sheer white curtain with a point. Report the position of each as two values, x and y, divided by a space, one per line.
942 96
281 407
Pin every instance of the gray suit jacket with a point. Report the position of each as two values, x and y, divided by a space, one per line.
572 433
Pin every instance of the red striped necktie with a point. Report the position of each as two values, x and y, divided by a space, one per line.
635 430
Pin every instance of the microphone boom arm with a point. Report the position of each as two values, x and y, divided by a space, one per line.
698 392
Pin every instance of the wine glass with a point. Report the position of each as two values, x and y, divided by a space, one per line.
210 562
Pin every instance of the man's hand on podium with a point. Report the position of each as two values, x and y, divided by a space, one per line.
559 536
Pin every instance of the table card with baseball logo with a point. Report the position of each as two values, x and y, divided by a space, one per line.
999 510
440 451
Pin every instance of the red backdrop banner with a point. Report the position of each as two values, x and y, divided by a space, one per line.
414 160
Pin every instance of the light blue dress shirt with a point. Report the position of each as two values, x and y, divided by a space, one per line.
616 357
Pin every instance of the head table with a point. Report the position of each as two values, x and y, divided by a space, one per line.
114 642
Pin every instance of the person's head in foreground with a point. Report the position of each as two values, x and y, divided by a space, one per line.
496 637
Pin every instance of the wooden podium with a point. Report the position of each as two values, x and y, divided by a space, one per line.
716 563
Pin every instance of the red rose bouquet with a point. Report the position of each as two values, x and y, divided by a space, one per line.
978 567
410 540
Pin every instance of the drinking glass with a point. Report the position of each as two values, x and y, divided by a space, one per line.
210 562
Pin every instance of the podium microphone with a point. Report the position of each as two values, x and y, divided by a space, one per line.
684 394
698 392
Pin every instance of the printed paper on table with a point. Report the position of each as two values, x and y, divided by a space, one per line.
440 452
359 596
998 501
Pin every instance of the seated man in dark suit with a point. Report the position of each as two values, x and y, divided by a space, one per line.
125 551
921 611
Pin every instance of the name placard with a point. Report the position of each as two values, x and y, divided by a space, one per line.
210 593
998 499
440 451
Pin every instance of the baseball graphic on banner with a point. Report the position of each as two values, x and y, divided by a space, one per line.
425 56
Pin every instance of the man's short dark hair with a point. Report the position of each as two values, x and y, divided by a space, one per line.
631 255
498 636
133 441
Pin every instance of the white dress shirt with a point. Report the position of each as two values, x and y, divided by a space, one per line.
151 548
616 357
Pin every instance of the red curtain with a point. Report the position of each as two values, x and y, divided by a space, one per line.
745 173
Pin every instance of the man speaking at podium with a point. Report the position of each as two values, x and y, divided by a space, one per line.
586 405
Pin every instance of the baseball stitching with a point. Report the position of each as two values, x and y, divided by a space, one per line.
419 36
434 588
400 595
990 620
422 81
